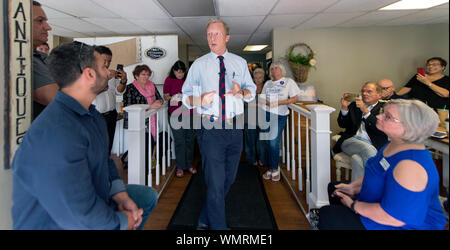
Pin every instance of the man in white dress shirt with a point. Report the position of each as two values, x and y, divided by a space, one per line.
105 102
216 84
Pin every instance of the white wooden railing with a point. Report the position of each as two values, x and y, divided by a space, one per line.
137 116
317 153
317 148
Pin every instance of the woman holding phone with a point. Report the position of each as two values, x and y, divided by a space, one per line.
432 88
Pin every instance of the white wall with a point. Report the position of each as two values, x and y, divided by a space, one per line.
160 67
348 57
5 175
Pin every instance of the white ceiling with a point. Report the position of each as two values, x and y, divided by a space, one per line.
250 21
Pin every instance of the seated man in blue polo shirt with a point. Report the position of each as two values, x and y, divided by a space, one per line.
63 177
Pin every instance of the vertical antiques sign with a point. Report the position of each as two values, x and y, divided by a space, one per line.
18 63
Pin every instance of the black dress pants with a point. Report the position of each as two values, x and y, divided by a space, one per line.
336 216
111 121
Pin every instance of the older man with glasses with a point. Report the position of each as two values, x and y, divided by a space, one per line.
387 89
361 139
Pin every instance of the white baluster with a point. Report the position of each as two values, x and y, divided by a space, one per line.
293 145
308 170
164 112
157 150
300 177
136 143
320 154
149 155
288 164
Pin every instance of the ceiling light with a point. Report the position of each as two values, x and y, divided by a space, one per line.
254 47
413 4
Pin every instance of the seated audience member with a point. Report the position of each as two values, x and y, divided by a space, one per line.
433 88
387 89
105 102
44 48
400 187
255 150
63 177
361 138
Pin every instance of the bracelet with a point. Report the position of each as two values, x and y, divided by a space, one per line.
429 85
352 207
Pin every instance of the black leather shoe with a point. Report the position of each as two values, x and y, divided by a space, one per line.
202 226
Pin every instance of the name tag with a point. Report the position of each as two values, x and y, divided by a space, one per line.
385 164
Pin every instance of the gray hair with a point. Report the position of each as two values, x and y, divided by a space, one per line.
279 65
259 70
216 20
419 120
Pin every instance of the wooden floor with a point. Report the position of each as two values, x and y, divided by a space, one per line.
287 212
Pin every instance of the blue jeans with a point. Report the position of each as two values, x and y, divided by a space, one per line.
145 198
273 146
255 148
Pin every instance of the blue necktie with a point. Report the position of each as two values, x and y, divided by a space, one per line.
222 86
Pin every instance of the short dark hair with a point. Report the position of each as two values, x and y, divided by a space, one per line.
178 65
36 3
441 61
138 69
103 50
67 60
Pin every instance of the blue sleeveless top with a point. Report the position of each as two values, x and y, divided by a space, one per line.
418 210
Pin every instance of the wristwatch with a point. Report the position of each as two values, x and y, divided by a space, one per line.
429 85
352 207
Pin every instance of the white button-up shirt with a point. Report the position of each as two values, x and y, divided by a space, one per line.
203 77
106 100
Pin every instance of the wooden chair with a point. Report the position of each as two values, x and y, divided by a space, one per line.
342 160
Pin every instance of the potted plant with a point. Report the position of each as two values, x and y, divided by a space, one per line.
300 63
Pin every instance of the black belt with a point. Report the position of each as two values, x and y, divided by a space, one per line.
109 112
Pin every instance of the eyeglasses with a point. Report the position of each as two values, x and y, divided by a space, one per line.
433 64
79 54
386 88
388 117
367 91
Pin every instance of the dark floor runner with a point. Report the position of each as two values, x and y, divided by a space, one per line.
247 206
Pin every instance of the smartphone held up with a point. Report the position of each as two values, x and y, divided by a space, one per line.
118 73
421 71
350 97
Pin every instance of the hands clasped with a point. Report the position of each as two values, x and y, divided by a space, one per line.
345 193
127 206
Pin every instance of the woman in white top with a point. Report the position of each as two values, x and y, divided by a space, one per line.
278 93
